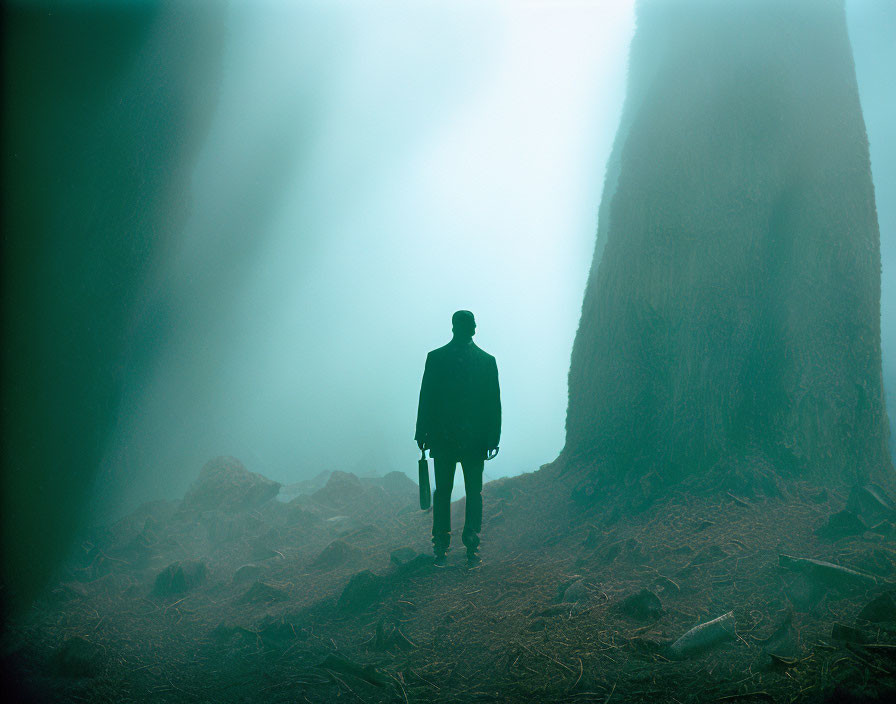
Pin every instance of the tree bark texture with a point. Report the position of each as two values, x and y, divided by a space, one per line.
733 308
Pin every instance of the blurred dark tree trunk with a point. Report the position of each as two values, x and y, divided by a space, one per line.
731 319
105 105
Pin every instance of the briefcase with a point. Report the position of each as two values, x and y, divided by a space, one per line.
425 492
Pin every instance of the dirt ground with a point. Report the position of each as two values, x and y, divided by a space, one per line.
238 597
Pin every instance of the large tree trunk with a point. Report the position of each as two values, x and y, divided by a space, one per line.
732 313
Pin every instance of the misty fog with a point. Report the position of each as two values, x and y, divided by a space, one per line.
235 230
368 171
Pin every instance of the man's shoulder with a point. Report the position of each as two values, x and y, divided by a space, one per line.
482 353
452 349
440 351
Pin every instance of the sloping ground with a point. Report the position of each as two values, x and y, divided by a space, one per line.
301 601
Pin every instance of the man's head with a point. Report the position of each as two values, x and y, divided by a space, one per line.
463 324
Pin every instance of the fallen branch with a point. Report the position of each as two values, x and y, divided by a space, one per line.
704 636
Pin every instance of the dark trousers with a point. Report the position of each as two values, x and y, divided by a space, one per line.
441 503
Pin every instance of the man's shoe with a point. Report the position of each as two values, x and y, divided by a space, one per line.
473 559
440 560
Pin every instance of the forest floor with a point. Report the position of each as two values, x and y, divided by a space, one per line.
333 597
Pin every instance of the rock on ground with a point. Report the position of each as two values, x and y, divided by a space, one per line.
180 577
225 484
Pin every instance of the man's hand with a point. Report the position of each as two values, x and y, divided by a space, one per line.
421 444
491 454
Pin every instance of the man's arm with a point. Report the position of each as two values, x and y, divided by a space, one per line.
424 405
494 391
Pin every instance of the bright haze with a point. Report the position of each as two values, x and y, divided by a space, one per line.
370 169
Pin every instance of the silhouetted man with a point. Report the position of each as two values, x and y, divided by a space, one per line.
459 420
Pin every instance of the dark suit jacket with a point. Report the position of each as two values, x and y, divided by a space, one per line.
459 414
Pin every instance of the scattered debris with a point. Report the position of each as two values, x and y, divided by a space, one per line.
248 573
389 636
667 584
871 503
704 636
885 528
738 500
502 632
367 673
263 593
826 572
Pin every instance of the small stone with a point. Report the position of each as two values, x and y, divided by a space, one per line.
846 634
840 525
341 488
881 609
225 484
180 577
644 605
279 632
576 593
420 562
403 555
335 554
362 590
398 484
